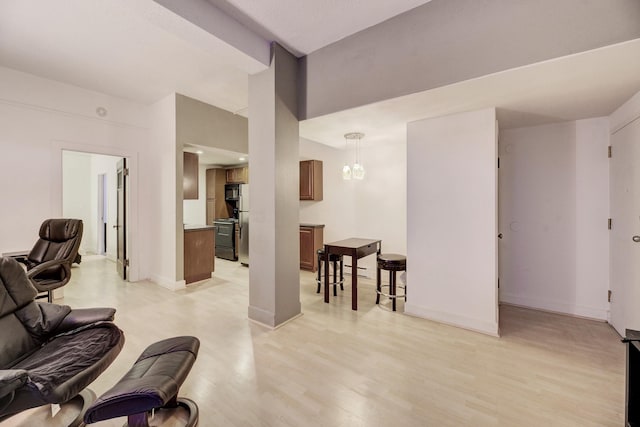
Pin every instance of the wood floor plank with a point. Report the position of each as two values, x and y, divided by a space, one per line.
336 367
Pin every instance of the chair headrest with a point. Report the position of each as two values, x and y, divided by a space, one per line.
60 229
16 290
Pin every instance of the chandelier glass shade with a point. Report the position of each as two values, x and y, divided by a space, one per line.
357 170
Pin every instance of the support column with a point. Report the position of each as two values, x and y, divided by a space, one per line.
274 239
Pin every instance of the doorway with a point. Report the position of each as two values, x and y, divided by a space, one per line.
90 193
554 193
625 228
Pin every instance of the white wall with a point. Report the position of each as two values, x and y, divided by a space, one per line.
553 213
195 211
337 208
452 220
164 201
372 208
626 113
592 211
381 200
80 196
76 190
38 119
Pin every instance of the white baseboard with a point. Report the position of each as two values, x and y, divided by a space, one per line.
555 306
484 327
168 283
273 328
263 317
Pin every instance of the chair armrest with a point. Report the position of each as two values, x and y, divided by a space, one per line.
47 264
11 380
85 316
16 254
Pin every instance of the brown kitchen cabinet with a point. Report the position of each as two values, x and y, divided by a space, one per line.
311 239
238 175
190 176
311 180
216 204
199 250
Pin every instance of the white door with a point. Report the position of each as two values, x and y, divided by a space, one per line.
625 213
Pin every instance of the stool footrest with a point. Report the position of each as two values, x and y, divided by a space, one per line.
397 295
339 282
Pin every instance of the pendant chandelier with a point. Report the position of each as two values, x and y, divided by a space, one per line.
357 170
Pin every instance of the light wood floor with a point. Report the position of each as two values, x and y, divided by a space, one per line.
374 367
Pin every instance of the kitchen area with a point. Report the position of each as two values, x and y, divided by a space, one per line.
216 211
216 205
227 208
216 191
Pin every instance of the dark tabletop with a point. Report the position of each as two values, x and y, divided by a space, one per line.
353 242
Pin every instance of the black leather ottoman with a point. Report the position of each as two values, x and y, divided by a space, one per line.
151 383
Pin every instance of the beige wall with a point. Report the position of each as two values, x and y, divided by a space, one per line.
198 123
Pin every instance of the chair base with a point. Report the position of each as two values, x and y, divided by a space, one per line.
69 415
164 414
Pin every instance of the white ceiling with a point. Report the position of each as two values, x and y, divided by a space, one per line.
133 49
138 50
216 157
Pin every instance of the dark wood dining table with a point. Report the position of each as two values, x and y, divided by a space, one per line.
356 248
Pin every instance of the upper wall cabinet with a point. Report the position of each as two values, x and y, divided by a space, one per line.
238 175
190 176
311 180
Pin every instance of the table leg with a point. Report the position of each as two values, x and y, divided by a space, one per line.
354 281
392 285
326 274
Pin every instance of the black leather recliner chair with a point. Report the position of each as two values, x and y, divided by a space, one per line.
49 353
49 262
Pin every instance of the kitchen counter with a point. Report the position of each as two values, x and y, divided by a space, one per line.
199 252
311 239
191 227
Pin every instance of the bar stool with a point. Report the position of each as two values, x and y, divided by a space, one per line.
392 263
334 259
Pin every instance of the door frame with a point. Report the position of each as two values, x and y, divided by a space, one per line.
623 294
121 218
58 146
102 214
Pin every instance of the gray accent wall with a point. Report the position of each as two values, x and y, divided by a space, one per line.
448 41
274 239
